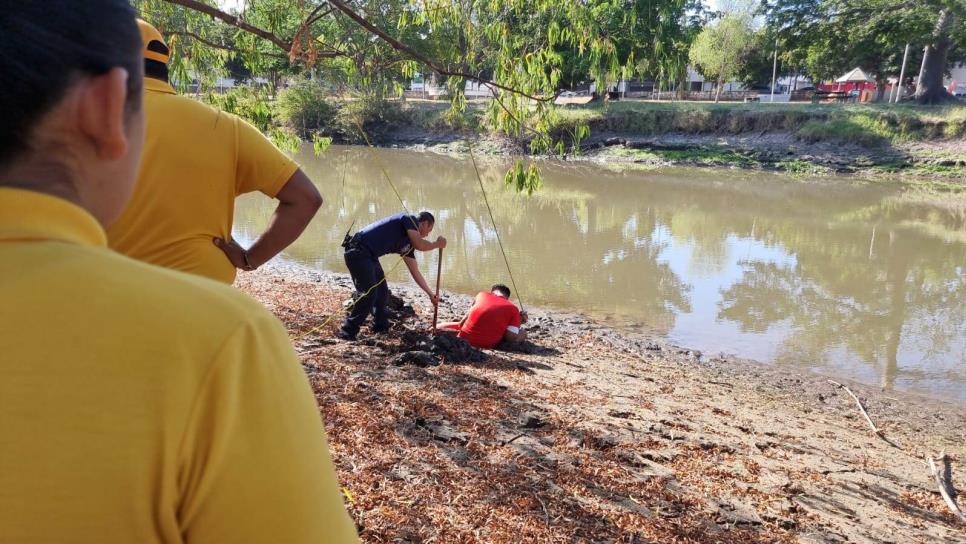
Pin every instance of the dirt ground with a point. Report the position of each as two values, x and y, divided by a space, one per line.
588 435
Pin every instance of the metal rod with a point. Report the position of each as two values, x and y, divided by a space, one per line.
439 273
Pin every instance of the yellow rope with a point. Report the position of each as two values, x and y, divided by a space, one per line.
496 229
386 175
385 275
349 307
345 168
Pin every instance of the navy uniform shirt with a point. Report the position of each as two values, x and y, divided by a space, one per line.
388 235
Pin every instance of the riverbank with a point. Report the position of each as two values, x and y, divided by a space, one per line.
867 139
873 140
942 163
592 435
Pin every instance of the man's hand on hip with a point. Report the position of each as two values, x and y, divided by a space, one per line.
235 253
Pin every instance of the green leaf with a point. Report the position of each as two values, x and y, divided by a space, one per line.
320 144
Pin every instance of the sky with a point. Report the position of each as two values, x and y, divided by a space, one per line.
230 4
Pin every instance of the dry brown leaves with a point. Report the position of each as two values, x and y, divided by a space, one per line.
424 455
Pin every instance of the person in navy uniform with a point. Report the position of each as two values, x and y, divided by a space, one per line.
403 234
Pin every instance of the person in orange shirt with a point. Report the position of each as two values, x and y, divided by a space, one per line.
492 319
137 404
197 160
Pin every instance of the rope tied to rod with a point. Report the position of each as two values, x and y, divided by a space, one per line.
496 229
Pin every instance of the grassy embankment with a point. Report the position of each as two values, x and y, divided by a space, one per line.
807 138
794 137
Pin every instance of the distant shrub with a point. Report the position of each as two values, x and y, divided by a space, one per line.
305 108
367 117
862 130
245 102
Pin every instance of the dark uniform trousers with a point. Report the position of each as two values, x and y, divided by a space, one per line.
366 272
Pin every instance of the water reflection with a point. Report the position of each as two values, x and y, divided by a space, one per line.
859 280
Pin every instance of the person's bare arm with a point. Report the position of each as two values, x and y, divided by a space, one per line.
419 279
422 244
521 334
515 337
298 202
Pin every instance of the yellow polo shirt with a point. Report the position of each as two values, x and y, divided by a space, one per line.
196 161
144 405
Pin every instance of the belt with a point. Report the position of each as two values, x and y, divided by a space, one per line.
354 243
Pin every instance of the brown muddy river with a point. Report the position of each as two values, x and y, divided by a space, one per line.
852 279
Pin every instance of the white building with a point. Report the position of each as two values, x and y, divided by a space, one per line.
429 89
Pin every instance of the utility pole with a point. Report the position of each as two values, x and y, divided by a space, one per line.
902 74
922 68
774 71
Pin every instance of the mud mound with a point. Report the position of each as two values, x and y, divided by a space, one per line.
424 349
456 350
399 309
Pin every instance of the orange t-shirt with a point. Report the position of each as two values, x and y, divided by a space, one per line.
488 320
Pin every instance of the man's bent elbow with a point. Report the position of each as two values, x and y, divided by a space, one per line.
299 191
314 202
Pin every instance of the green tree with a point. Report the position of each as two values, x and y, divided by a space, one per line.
719 50
373 46
758 61
835 35
651 39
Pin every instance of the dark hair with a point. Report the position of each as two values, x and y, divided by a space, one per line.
426 216
155 69
501 288
44 46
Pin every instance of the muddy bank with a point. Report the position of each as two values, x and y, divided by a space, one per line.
774 151
593 435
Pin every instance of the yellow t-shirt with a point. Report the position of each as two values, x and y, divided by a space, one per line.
196 161
144 405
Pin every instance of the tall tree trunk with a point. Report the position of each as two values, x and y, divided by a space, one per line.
880 87
717 92
930 89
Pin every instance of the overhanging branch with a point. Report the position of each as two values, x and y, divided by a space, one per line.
286 45
234 21
432 64
210 43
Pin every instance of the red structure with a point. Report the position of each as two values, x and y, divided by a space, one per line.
846 87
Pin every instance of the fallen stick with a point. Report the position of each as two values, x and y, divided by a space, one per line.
865 414
945 485
546 514
510 441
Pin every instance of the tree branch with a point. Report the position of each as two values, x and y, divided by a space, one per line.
432 64
210 43
286 46
865 10
316 16
216 13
